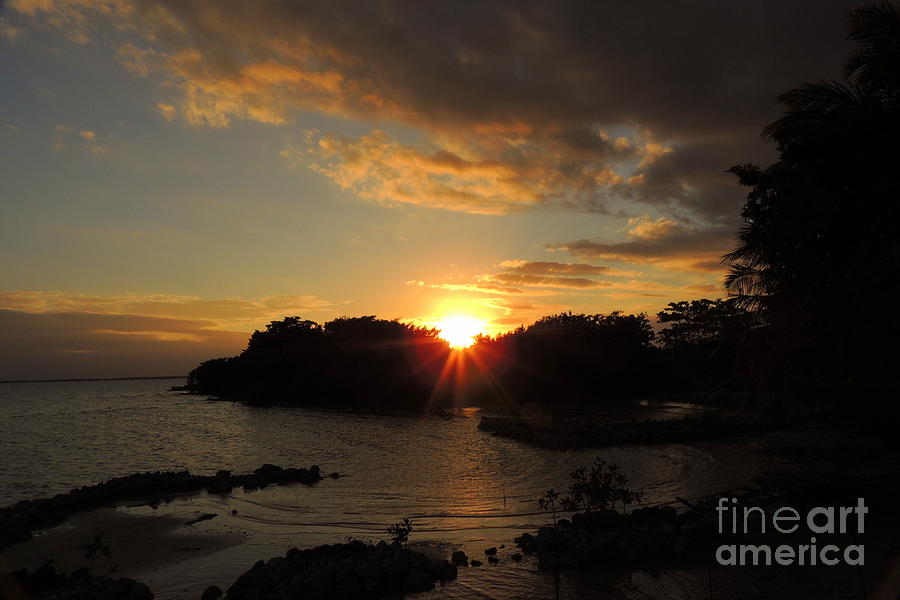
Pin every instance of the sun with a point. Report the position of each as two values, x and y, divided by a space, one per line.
460 331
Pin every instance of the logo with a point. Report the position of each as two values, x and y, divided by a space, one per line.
819 521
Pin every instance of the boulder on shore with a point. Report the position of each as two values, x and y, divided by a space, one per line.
45 582
342 571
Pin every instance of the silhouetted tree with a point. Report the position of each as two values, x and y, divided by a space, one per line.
702 342
819 242
567 358
289 333
696 322
350 361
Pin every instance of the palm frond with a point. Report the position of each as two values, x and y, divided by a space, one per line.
815 102
876 28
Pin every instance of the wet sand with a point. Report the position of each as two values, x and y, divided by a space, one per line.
140 544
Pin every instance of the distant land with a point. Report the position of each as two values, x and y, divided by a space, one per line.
93 379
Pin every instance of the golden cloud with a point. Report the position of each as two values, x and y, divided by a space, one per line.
660 243
647 228
540 267
526 279
484 173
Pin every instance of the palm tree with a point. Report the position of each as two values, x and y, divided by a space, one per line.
830 131
874 66
819 247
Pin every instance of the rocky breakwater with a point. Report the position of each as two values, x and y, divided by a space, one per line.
45 583
342 571
646 533
17 522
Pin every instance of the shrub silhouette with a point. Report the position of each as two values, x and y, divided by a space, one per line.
401 531
601 488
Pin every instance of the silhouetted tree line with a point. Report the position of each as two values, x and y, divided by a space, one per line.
813 283
560 359
350 361
569 358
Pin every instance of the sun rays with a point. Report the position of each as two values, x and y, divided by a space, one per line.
460 331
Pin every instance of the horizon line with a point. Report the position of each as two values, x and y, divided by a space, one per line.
62 380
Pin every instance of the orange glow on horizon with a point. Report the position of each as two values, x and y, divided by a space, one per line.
460 331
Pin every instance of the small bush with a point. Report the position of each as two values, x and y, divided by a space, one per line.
401 531
601 488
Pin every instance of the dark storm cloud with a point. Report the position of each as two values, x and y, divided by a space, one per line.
550 101
684 69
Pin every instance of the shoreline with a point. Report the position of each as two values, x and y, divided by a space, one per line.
19 521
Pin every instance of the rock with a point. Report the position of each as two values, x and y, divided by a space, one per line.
335 475
459 558
211 593
598 521
526 542
268 469
491 551
352 570
140 591
121 588
516 557
45 582
493 559
219 486
203 517
476 563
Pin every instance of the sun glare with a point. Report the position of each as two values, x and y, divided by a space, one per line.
460 331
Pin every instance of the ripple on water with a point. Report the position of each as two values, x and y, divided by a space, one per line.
462 486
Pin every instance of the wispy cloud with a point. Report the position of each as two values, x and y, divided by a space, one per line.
86 139
78 344
662 243
539 267
8 32
529 280
224 313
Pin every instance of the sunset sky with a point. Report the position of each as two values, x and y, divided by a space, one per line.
175 175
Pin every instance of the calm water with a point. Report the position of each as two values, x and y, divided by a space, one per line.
461 486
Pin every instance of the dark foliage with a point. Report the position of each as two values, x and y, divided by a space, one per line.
820 246
705 344
373 363
601 488
576 358
350 361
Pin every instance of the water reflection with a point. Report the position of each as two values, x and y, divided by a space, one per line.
462 487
